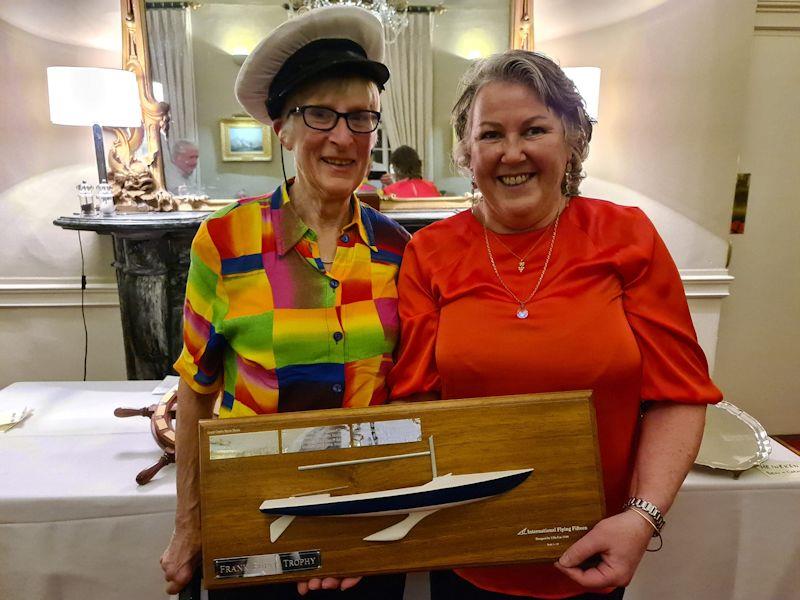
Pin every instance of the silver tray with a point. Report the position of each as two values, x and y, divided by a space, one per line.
732 440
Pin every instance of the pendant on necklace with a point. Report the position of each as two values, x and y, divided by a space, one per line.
521 266
522 313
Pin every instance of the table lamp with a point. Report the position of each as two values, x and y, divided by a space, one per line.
97 97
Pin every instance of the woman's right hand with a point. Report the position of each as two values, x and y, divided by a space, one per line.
619 541
180 560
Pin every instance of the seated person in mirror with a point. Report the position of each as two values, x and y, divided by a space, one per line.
408 181
179 168
291 298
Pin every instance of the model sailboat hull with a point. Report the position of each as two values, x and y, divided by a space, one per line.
441 492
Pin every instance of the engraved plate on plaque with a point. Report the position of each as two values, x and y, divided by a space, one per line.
238 445
311 439
357 435
380 433
261 565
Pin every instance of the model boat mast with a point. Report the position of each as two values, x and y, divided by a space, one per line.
360 461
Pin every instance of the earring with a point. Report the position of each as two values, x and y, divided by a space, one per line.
571 178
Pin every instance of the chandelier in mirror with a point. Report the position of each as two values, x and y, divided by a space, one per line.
393 15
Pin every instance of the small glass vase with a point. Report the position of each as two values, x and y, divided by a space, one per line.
86 199
105 199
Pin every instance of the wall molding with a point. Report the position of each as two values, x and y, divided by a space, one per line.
778 6
778 17
55 292
706 283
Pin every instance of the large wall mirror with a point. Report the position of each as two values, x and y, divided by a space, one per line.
194 54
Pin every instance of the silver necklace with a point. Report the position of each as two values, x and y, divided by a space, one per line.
522 311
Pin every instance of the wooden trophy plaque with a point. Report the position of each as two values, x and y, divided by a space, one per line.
401 487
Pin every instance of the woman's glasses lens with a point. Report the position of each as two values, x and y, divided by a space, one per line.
319 117
325 119
363 121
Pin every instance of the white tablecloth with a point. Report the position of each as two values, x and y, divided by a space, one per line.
74 525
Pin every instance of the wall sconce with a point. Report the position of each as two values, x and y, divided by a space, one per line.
587 80
85 96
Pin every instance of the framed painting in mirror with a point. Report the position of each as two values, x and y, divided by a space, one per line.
243 139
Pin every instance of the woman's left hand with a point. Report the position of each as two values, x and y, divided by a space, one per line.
329 583
619 541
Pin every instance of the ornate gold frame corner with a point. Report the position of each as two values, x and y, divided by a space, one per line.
521 34
138 183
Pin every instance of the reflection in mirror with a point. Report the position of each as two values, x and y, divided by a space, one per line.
196 50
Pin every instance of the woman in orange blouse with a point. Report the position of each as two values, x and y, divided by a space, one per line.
538 289
408 181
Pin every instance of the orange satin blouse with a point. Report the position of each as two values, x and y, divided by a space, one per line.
610 315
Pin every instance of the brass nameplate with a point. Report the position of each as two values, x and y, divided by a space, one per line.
267 564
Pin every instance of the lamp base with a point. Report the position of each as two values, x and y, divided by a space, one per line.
99 151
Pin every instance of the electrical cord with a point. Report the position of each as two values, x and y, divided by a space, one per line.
83 309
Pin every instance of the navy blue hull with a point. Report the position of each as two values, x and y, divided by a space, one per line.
406 502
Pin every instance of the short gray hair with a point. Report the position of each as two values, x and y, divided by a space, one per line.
546 79
181 146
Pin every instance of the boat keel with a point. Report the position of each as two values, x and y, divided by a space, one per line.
399 530
278 526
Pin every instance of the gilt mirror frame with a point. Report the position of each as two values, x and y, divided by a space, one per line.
155 115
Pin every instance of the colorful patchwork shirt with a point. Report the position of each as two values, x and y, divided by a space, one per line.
266 323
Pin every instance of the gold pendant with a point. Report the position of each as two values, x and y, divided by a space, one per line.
521 266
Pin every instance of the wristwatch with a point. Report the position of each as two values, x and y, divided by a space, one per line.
648 507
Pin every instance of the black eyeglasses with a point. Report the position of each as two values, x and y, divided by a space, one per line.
323 118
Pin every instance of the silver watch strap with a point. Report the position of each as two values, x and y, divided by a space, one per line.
648 507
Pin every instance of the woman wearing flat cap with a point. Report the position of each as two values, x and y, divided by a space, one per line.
291 302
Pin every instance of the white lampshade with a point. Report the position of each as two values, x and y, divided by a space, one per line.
89 96
587 80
